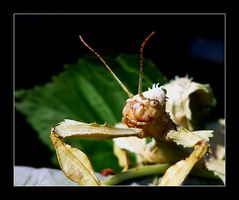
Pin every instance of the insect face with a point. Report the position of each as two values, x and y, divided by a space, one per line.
140 111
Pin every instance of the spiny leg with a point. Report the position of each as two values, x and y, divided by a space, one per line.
177 173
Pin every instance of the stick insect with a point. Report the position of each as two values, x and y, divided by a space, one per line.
144 115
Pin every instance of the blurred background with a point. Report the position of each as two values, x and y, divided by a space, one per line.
184 44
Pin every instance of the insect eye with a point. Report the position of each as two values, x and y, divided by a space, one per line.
154 103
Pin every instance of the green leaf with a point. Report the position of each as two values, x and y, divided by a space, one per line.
85 92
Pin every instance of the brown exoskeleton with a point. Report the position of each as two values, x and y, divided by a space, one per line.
144 116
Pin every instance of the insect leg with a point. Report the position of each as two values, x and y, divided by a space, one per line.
177 173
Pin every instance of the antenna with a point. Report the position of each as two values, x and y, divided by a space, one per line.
107 66
141 64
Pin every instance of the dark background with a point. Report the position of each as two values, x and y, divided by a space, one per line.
184 44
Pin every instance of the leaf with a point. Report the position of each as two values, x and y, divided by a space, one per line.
74 163
146 151
189 102
216 160
149 153
123 158
128 72
85 92
217 167
217 143
133 144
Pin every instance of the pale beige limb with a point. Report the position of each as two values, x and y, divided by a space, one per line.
72 128
74 163
177 173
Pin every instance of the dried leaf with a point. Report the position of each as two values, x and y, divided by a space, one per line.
189 102
74 163
133 144
123 157
217 167
149 152
217 143
216 161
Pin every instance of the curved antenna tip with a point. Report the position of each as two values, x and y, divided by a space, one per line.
141 63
